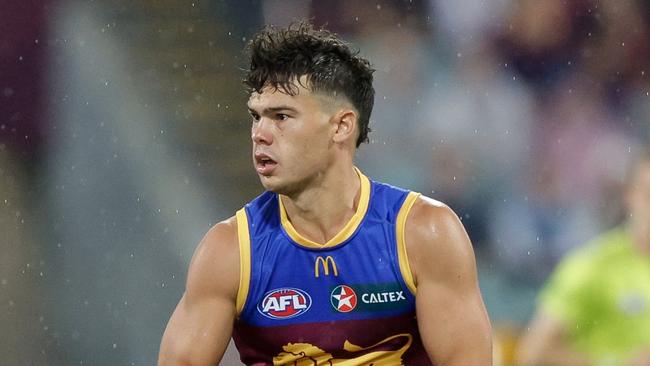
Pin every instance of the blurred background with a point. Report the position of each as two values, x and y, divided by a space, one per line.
124 136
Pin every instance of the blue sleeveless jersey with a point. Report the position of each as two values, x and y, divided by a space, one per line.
350 300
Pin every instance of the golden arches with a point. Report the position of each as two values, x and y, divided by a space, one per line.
325 262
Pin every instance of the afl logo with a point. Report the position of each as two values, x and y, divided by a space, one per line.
284 303
343 299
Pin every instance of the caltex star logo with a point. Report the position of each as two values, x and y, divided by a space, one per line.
343 299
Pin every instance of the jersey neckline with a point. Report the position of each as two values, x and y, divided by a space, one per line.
348 230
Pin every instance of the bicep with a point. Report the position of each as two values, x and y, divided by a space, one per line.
198 332
453 322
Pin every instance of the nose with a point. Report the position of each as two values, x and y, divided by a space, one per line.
261 132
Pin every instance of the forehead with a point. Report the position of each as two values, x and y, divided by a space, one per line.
304 98
270 95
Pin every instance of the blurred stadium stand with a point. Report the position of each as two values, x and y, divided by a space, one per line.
521 115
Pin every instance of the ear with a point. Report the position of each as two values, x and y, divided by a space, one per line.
345 125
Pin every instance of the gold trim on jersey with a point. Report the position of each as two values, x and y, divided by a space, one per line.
326 266
244 259
400 228
347 230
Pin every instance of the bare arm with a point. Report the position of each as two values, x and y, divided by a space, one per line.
546 344
200 328
452 319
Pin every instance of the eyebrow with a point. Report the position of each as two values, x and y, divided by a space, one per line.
274 109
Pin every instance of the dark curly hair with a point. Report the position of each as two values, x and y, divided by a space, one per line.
280 56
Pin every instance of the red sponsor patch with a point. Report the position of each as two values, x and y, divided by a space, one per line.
284 303
343 299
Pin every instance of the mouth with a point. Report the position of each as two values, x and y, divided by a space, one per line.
264 164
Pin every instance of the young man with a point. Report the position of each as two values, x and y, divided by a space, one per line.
326 267
595 310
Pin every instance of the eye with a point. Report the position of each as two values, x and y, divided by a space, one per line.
255 116
281 117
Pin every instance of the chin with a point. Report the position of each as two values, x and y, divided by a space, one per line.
271 183
276 185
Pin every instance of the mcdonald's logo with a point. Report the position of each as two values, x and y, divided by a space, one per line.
325 262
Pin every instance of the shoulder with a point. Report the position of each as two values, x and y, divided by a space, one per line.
436 241
214 269
428 212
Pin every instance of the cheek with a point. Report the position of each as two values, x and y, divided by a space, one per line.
316 145
306 154
304 150
309 141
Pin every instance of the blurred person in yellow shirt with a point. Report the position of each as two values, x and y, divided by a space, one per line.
595 309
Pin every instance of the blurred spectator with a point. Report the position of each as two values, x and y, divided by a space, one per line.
618 56
543 39
595 310
469 24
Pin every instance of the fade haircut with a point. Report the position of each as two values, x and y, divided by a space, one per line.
279 57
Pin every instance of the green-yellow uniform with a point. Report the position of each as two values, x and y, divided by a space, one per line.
601 293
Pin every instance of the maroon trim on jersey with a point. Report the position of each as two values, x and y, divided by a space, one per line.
258 345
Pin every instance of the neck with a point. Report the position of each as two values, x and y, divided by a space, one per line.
321 210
